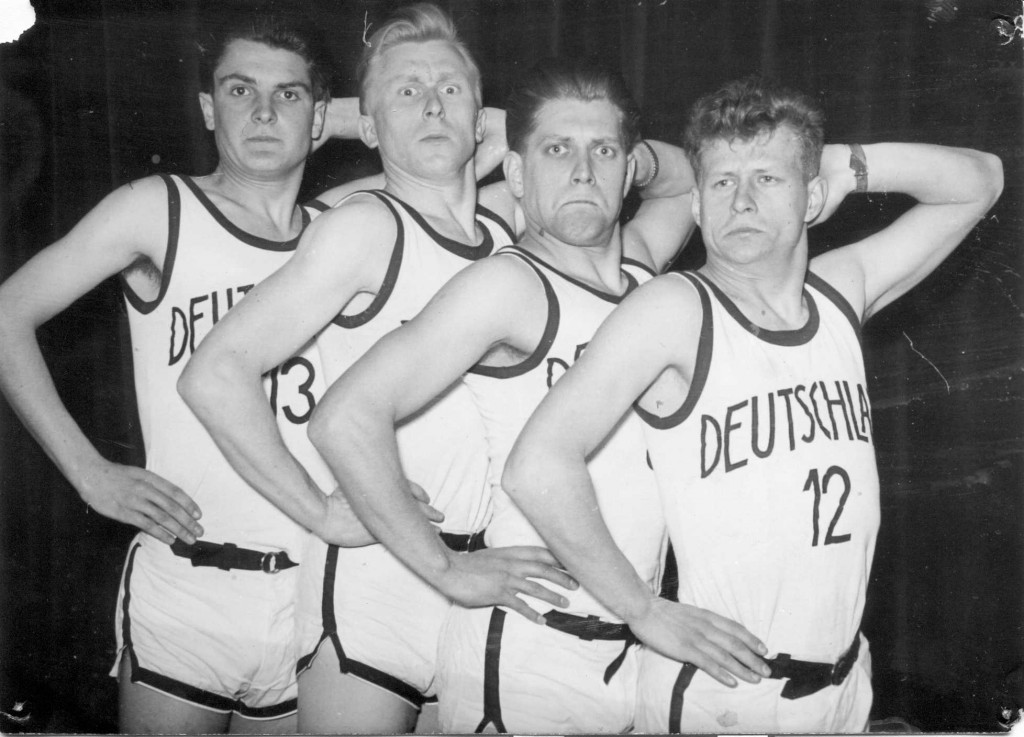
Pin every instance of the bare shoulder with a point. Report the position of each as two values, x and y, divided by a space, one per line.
498 199
668 299
334 195
129 224
361 221
500 280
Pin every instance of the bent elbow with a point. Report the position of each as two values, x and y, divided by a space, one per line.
993 177
202 384
326 426
519 474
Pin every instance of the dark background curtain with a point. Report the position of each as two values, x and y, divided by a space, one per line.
101 92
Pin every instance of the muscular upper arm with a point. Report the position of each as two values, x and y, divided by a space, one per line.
648 336
490 303
343 252
664 222
957 187
129 224
658 231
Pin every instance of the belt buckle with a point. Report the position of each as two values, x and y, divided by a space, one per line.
841 669
268 563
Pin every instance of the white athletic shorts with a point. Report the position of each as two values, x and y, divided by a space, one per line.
381 618
221 640
666 703
544 681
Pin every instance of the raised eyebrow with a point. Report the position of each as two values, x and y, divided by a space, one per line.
293 84
236 77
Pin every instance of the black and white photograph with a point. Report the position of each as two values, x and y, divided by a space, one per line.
511 366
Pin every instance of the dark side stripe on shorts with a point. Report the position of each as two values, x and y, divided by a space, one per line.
347 665
178 689
492 663
675 709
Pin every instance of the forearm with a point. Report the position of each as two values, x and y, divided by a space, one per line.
28 386
360 447
491 151
674 176
232 405
553 489
934 175
342 119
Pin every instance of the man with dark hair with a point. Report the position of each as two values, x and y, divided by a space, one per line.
205 634
749 379
367 625
506 328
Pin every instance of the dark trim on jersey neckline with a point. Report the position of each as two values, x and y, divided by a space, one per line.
243 235
547 338
796 337
631 282
701 367
471 253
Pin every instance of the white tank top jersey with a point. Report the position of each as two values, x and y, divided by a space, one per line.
442 447
209 266
767 474
623 482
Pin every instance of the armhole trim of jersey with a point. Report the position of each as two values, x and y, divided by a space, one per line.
550 329
836 297
390 278
639 265
701 366
315 204
173 229
498 219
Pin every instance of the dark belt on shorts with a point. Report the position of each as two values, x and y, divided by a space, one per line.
806 678
464 543
593 628
229 556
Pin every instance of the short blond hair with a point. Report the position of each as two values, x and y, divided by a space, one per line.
412 24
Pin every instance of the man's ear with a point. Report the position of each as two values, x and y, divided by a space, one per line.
630 173
481 125
817 193
367 131
206 104
695 204
319 116
513 168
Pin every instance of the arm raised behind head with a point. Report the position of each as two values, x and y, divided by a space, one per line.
664 223
954 188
